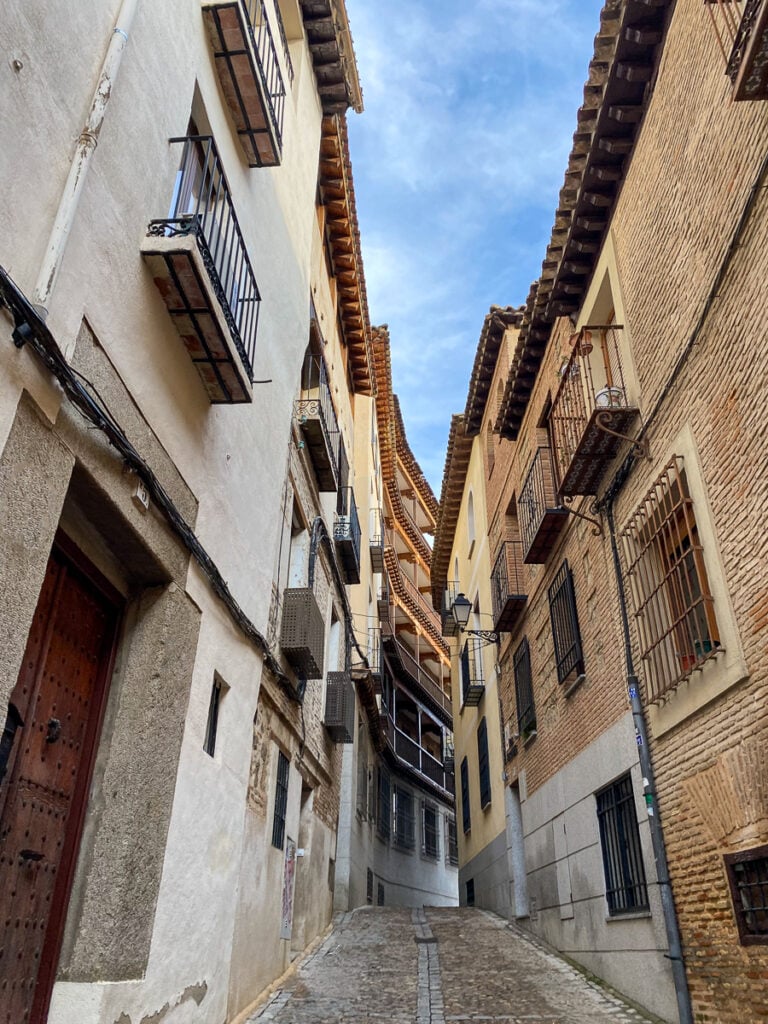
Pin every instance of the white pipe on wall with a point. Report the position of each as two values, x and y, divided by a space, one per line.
86 146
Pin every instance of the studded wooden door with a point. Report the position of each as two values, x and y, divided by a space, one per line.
52 726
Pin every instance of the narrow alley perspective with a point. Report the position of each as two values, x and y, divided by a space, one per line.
436 966
383 480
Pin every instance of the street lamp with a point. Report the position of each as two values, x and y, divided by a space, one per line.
460 610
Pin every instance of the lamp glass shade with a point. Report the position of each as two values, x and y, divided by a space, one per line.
461 609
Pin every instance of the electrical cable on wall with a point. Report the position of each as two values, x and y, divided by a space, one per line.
31 329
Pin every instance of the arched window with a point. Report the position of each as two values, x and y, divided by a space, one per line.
471 522
490 447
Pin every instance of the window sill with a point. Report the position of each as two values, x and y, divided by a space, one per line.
706 683
635 915
574 685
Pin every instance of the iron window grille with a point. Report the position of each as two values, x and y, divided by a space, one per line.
212 725
483 763
625 886
747 873
404 831
281 801
667 580
369 886
362 774
380 895
465 810
202 206
526 709
384 810
430 832
451 842
569 657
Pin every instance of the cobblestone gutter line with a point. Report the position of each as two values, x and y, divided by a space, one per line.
429 1009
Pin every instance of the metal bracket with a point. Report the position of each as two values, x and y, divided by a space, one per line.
597 526
488 636
642 447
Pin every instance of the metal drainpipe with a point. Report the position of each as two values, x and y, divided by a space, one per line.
675 954
86 146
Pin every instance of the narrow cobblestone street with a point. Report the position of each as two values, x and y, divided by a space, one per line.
434 967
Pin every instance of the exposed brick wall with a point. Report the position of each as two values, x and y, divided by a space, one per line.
694 164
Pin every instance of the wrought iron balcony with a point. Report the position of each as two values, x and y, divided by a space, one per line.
741 29
540 516
375 656
346 534
317 420
430 691
419 759
302 635
251 80
340 707
472 680
591 413
376 540
384 601
200 266
508 591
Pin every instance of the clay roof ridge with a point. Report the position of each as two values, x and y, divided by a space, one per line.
457 457
495 324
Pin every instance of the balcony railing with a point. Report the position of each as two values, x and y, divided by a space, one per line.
375 655
436 696
425 607
376 540
472 681
317 419
346 534
200 265
741 29
591 413
417 757
251 80
540 516
384 601
508 589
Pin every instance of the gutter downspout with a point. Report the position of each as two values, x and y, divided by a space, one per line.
86 146
675 954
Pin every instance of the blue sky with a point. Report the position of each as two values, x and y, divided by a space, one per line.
470 109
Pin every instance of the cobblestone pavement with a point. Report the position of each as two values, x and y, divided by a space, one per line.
437 966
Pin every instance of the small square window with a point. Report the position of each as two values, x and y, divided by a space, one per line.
748 878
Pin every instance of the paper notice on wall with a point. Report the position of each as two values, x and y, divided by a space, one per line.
289 875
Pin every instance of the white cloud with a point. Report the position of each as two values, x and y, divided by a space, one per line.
458 159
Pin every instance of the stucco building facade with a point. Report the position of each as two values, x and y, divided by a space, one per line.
191 482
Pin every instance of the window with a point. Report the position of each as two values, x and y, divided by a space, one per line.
362 772
384 814
380 895
281 800
667 581
569 657
212 726
748 878
470 524
625 887
526 710
470 892
404 820
451 841
466 819
483 765
369 886
430 835
490 448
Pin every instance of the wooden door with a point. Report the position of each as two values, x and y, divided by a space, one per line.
50 738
